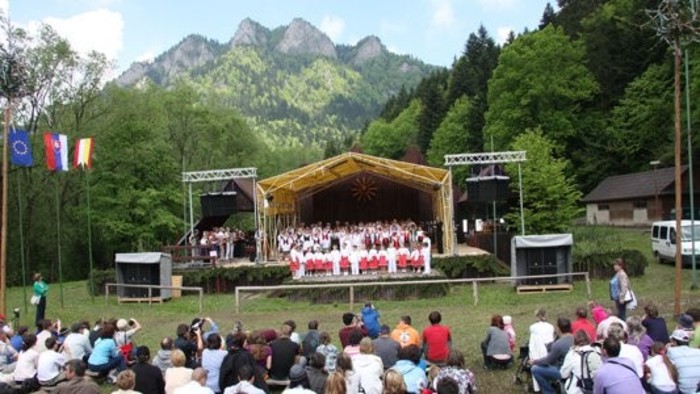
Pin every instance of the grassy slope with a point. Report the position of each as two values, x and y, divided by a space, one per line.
468 322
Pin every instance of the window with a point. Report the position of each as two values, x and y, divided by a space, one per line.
603 207
655 232
640 204
664 232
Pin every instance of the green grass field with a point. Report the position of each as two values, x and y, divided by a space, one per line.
467 321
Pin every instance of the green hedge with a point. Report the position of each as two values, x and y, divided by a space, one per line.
100 277
600 264
479 266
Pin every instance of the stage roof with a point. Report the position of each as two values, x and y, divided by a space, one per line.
314 176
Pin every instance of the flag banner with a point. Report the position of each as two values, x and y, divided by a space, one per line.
20 148
56 151
82 157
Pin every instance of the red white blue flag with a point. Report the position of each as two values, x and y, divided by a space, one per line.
56 151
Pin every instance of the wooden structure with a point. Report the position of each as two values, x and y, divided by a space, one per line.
354 187
144 269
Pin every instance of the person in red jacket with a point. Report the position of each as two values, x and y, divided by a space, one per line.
437 339
582 323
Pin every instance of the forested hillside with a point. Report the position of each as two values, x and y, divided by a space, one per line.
588 94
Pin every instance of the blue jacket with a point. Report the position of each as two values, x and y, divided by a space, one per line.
370 317
413 375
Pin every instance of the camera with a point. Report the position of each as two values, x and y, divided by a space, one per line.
132 322
196 324
16 312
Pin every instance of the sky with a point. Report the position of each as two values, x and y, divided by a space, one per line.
433 31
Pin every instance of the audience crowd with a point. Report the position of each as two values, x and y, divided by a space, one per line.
365 356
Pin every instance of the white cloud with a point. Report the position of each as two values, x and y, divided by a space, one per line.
147 56
333 26
5 7
498 4
100 30
502 34
443 14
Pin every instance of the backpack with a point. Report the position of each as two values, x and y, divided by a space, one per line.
585 381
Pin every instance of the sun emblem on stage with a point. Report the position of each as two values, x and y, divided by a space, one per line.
364 189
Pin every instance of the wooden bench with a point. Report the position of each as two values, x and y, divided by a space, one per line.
527 289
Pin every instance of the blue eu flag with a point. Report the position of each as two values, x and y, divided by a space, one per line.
20 149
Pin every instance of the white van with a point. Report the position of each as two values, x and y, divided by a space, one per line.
663 241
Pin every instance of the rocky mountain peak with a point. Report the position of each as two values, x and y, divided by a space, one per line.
367 49
250 33
301 37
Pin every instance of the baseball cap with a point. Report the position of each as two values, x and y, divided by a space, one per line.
385 329
297 372
680 335
685 321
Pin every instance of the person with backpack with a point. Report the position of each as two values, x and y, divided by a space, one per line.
311 340
617 375
580 365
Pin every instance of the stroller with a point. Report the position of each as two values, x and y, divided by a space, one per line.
522 372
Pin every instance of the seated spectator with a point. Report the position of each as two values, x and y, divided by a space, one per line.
694 313
335 384
345 367
602 329
311 339
637 336
581 362
328 350
685 322
126 381
75 380
627 351
178 375
258 347
298 381
27 360
447 386
541 336
393 382
45 329
686 360
510 330
198 384
237 358
413 376
655 325
284 354
598 312
149 378
162 358
370 319
189 341
495 347
437 339
455 369
246 378
50 364
661 374
404 334
617 375
105 355
212 358
386 348
316 373
77 345
582 323
545 370
353 348
366 363
8 354
18 338
293 335
123 336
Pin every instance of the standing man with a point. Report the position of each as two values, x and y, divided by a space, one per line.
40 288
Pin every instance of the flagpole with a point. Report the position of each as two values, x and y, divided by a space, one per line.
3 225
89 223
58 239
21 241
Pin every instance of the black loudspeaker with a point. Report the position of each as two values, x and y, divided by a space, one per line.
218 204
139 274
487 189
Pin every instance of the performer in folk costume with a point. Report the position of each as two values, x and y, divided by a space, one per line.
364 261
382 256
345 259
373 259
403 255
335 260
391 258
294 263
425 251
416 258
308 262
354 261
319 262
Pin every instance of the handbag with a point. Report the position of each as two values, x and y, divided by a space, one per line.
35 300
632 302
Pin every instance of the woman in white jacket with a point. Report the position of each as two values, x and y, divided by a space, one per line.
582 362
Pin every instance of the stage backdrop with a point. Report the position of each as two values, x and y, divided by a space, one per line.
366 197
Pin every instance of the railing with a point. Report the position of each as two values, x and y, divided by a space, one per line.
150 291
351 286
191 256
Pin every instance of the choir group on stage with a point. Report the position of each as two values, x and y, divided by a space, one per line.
361 249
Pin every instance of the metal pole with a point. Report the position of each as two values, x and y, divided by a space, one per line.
238 301
678 179
58 239
520 189
89 224
691 189
3 230
21 242
191 213
495 234
255 214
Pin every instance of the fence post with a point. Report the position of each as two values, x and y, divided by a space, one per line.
238 301
352 297
106 294
475 292
201 298
150 296
588 285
